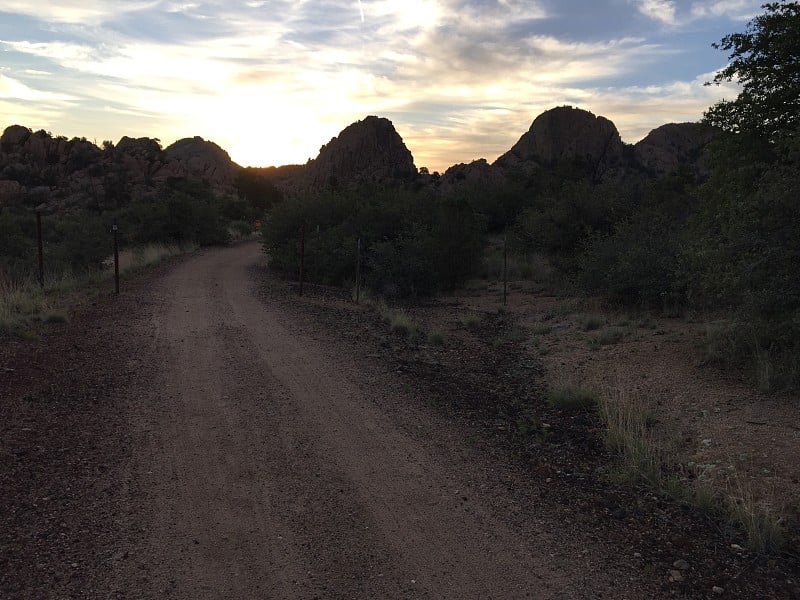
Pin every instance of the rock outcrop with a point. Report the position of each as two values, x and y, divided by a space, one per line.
674 146
13 137
566 133
197 158
369 152
366 152
468 177
77 173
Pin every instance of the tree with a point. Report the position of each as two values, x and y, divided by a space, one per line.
743 245
765 60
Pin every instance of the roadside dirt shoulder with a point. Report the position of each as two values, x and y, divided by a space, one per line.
482 368
209 434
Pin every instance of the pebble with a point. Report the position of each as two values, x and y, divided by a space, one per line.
717 590
681 565
675 575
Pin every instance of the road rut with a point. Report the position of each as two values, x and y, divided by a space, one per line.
267 463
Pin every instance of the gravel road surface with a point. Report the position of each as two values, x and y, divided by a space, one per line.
274 466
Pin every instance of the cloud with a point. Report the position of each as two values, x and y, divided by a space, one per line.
59 52
13 89
272 81
659 10
82 12
666 11
733 9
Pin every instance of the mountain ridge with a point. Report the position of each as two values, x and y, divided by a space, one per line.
75 173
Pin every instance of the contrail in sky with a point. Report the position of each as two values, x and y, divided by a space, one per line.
361 8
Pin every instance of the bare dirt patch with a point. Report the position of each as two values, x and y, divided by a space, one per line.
254 444
489 367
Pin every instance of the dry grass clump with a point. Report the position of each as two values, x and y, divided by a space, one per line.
25 301
627 421
404 325
572 398
628 434
592 322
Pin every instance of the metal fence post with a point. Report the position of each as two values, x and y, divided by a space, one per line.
505 269
116 257
41 247
302 254
358 270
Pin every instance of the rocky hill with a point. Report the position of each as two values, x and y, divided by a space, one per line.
566 133
67 174
72 174
575 135
676 145
367 152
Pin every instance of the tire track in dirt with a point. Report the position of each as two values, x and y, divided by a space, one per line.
265 467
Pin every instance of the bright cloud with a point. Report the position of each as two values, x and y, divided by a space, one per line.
72 11
734 9
272 81
658 10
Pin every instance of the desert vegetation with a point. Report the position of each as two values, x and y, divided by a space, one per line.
178 216
412 243
719 239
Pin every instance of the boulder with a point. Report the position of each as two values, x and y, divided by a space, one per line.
142 148
478 174
13 138
670 147
368 151
566 133
11 192
199 159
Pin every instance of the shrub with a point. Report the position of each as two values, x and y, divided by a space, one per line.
412 244
627 435
572 398
592 322
608 337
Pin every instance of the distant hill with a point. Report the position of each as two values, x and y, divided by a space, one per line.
575 135
71 174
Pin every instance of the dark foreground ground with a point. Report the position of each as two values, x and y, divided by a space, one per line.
209 435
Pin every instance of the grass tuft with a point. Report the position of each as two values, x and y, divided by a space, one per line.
572 398
628 422
763 528
436 338
607 337
627 434
400 323
471 321
592 322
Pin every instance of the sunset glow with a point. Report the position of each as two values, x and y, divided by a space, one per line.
272 81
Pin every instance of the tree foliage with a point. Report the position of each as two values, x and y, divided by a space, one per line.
765 60
180 210
413 243
743 247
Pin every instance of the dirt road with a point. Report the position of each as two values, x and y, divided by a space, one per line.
207 434
267 464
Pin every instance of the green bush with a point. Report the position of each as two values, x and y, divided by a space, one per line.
572 398
412 244
182 211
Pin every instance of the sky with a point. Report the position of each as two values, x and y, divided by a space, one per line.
273 80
